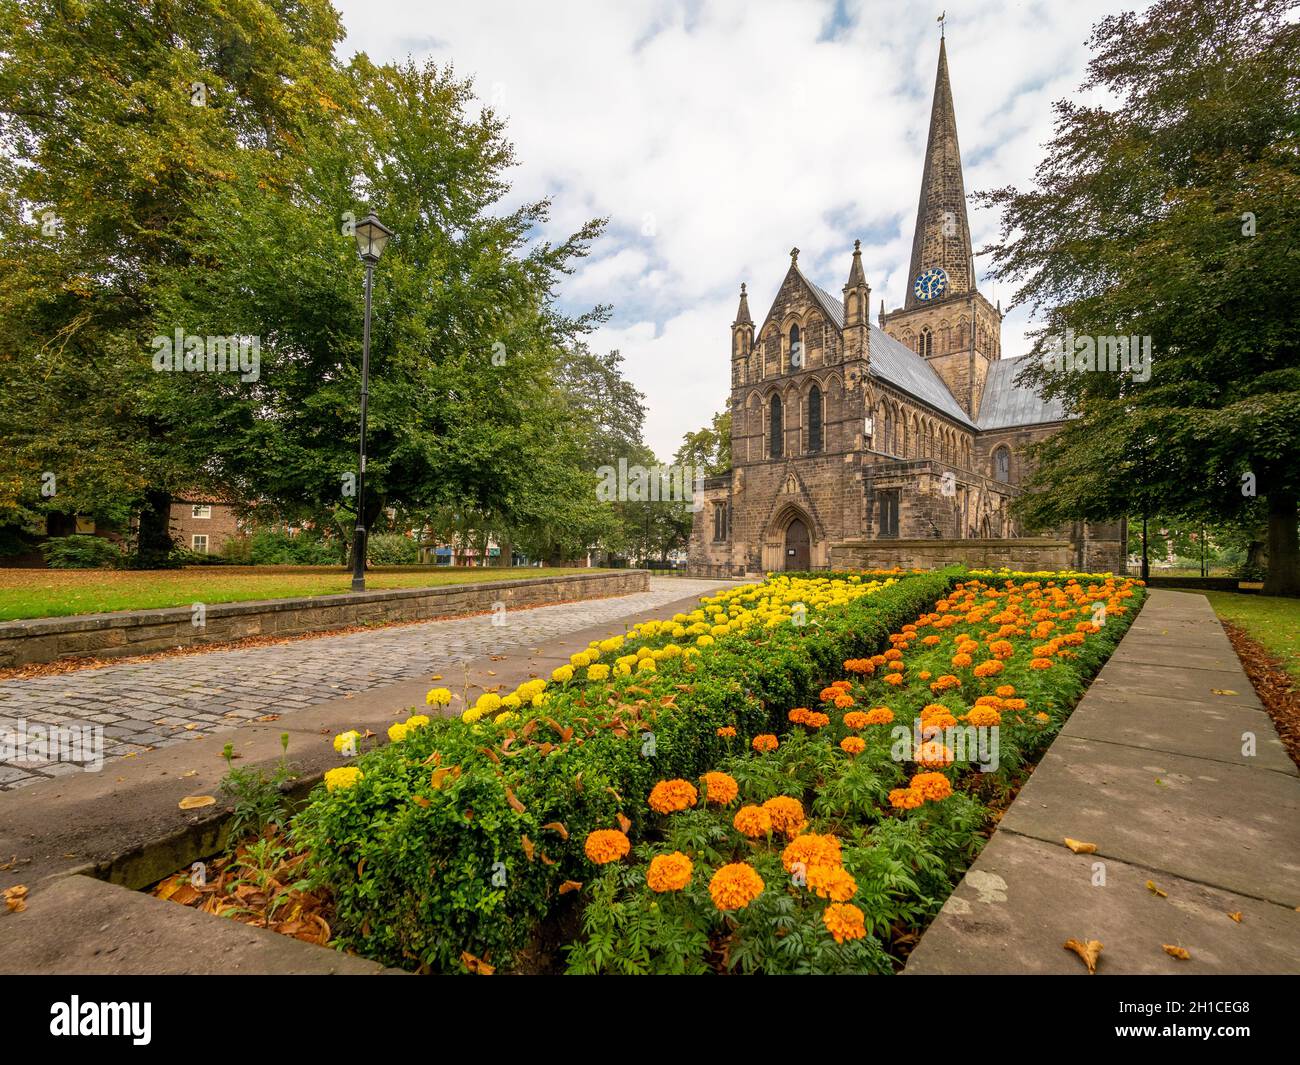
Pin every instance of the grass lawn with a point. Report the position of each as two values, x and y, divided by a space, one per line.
1271 620
43 593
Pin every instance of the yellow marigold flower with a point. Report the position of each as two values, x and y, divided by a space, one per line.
1040 716
562 674
765 742
844 921
752 821
343 777
668 872
669 796
853 745
487 703
735 886
831 882
397 732
596 671
647 665
511 702
787 814
720 788
416 721
933 786
350 740
438 697
905 798
726 731
704 641
606 845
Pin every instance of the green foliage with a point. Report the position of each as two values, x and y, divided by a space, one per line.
413 866
273 547
392 549
81 552
259 800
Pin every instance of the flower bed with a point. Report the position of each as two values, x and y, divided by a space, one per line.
829 850
444 849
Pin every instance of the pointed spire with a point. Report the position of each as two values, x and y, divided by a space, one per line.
742 315
942 236
856 276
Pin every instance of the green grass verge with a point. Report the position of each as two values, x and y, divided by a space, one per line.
42 593
1271 620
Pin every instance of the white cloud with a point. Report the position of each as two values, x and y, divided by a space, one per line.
715 135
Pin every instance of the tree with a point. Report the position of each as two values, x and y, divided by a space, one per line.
709 448
1168 213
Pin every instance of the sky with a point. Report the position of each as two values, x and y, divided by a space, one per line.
717 134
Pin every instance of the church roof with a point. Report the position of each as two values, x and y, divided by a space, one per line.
1005 404
895 363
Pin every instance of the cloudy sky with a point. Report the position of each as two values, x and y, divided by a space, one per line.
717 134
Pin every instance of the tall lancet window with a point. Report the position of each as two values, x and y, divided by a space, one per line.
925 343
775 430
796 349
1002 464
815 434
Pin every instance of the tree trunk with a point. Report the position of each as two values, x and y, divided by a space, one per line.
154 537
1146 564
1283 547
374 508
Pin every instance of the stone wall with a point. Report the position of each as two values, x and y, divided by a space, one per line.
134 632
1026 553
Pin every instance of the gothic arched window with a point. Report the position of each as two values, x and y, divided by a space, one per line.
1002 464
776 429
815 435
888 445
925 344
796 349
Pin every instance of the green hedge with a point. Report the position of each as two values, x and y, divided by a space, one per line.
421 874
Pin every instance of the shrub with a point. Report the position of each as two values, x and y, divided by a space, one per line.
81 552
453 843
274 547
392 549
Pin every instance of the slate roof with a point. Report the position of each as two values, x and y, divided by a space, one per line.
1005 405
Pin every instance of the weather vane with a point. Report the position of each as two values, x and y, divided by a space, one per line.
942 19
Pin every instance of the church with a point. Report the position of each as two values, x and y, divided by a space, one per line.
901 443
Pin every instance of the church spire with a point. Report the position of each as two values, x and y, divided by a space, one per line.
942 237
742 315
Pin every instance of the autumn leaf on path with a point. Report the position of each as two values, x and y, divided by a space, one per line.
1176 952
195 802
1089 952
15 898
1236 916
1080 847
1151 887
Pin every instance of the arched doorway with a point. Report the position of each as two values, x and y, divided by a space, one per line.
797 556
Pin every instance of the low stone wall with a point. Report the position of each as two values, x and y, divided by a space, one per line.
1026 553
134 632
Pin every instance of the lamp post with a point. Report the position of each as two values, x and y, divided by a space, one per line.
371 236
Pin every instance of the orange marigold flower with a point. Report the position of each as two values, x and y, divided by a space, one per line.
893 654
843 685
880 715
1014 704
816 719
983 716
1040 716
787 814
831 882
735 886
827 694
924 674
720 788
930 641
1001 649
844 921
1041 663
1004 691
811 850
989 700
937 723
961 661
945 682
798 715
726 731
854 745
844 701
991 668
895 667
752 821
933 755
894 678
934 786
669 796
765 742
856 719
668 872
859 665
905 798
606 845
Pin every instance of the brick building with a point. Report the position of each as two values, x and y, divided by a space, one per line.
899 443
203 524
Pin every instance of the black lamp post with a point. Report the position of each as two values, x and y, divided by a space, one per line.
371 235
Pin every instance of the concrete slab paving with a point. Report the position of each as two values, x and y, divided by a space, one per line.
85 927
1149 768
1029 897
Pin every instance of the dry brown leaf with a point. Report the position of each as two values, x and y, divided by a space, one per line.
421 801
529 849
624 823
1089 952
1176 952
1151 887
195 802
558 826
15 898
1236 916
1222 691
570 885
515 804
476 965
1080 847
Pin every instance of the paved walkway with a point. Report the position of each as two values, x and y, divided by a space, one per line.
161 702
1171 767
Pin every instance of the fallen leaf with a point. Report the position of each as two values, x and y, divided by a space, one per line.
1222 691
1151 887
1079 847
15 898
570 885
515 804
268 717
529 849
437 676
558 826
1089 952
476 965
1176 952
190 773
624 823
1236 916
194 802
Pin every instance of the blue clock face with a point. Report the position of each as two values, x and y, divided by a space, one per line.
931 284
